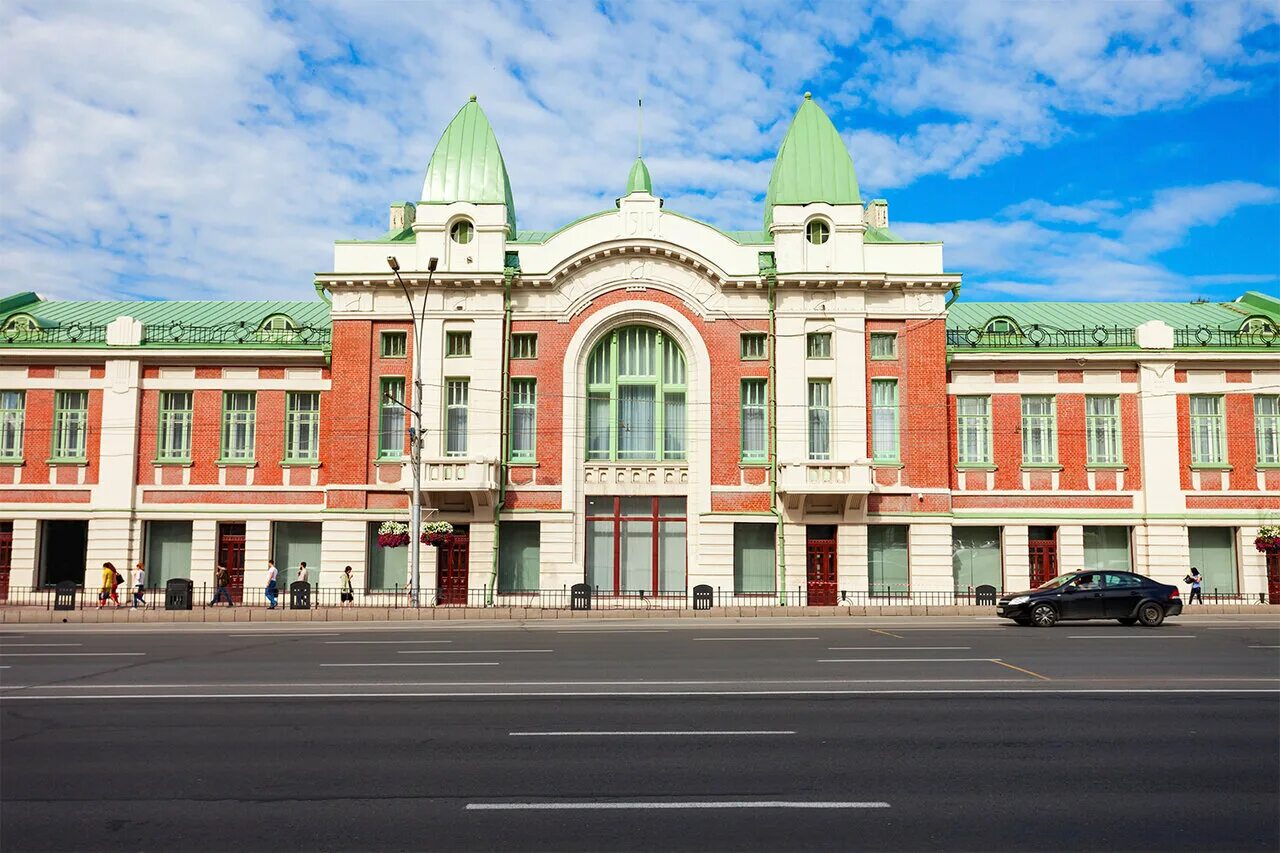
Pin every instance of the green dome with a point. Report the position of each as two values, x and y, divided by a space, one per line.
467 165
813 164
638 181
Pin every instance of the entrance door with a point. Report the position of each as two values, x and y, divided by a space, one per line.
231 556
6 557
451 567
1273 577
62 552
1043 554
820 562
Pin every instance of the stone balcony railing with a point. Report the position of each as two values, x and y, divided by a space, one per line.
619 477
824 478
455 474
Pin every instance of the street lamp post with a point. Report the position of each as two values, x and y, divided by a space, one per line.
415 432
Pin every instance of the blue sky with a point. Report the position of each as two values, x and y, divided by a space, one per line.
1062 150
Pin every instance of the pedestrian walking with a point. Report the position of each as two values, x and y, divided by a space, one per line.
1197 582
272 577
221 582
348 595
139 585
111 580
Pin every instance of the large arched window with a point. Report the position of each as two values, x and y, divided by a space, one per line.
636 397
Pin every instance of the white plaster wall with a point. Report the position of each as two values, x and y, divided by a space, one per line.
795 551
1253 563
851 558
1017 562
713 565
109 542
1070 548
1158 415
481 569
1161 551
204 554
558 569
342 543
929 557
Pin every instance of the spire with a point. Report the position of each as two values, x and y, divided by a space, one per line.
468 166
813 164
638 181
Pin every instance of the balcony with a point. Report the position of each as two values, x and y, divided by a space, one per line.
448 483
824 478
643 478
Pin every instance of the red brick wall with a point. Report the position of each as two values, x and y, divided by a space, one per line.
925 419
349 429
1006 440
1072 453
1242 440
1131 438
1184 440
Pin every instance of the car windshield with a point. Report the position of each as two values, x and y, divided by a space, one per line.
1060 580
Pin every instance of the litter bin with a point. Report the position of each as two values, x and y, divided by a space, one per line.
580 597
299 595
985 594
177 594
64 596
702 597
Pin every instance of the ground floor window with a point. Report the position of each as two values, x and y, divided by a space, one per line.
518 556
754 557
295 543
1107 548
63 552
168 552
388 568
887 559
975 558
636 545
1213 552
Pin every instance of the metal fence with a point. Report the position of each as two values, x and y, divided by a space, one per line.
177 332
1213 337
72 333
1041 337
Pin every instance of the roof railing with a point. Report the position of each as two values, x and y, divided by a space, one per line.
1041 337
1212 337
239 333
71 333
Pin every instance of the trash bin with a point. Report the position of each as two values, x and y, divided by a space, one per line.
64 596
580 597
299 595
985 594
702 597
177 594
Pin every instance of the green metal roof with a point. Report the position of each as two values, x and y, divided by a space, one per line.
468 166
638 181
813 164
882 235
53 313
1088 315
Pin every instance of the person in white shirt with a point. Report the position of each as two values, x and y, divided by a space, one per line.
302 572
272 576
139 584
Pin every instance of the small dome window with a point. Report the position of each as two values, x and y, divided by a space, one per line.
462 232
20 323
1263 327
277 327
1002 326
817 231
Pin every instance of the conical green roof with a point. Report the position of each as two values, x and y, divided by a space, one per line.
638 181
813 164
467 165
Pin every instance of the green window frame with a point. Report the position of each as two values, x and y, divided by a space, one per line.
818 345
885 444
1039 430
1213 552
457 344
457 398
1208 430
636 397
888 563
524 419
884 346
13 415
973 430
1102 430
754 558
461 232
174 440
819 419
755 420
302 426
239 425
817 231
391 414
70 426
524 345
395 344
519 556
754 346
1266 426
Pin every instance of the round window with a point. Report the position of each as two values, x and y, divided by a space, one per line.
461 232
818 231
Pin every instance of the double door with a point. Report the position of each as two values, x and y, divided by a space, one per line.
452 558
1043 556
231 557
820 568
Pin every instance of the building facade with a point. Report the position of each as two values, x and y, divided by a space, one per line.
643 402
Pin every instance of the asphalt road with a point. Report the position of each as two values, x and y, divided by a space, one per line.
881 734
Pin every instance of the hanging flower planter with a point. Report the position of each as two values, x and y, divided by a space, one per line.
436 533
393 534
1268 540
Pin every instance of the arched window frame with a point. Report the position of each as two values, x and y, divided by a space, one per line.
1013 329
808 231
470 232
21 323
278 326
669 379
1258 325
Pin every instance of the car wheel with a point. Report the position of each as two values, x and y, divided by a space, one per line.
1127 620
1151 614
1043 616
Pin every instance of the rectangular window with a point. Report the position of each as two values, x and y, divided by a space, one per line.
70 423
388 567
302 426
884 346
884 420
175 427
1208 442
391 419
456 395
294 543
887 559
819 345
820 419
457 344
518 560
975 558
524 345
1213 552
755 420
1102 430
1039 433
524 419
239 413
754 559
625 535
13 409
1266 424
395 344
973 430
755 346
1107 548
168 553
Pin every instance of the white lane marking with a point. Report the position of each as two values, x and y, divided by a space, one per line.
288 634
1264 647
647 734
451 663
551 683
902 660
711 804
617 631
1259 626
382 642
1131 637
73 655
746 639
476 651
896 648
38 645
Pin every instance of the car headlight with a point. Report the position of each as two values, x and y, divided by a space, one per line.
1021 599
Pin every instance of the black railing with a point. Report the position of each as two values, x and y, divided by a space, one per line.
240 333
71 333
1211 337
1041 337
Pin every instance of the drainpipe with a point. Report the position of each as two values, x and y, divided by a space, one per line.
770 270
321 292
953 296
508 276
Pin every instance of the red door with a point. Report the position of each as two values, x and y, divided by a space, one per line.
822 572
1273 577
6 557
231 556
451 568
1043 554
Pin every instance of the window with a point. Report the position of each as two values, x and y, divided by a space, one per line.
456 395
636 386
818 345
884 420
457 344
1039 433
13 406
1208 445
524 345
277 327
754 558
388 568
1266 425
625 535
391 419
238 416
755 346
70 424
820 419
975 558
395 344
175 427
1261 327
887 559
518 558
1213 552
461 232
817 232
1107 548
755 420
973 430
524 417
1102 430
302 427
1002 326
884 346
168 552
20 323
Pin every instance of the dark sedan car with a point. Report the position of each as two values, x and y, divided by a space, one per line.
1123 596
